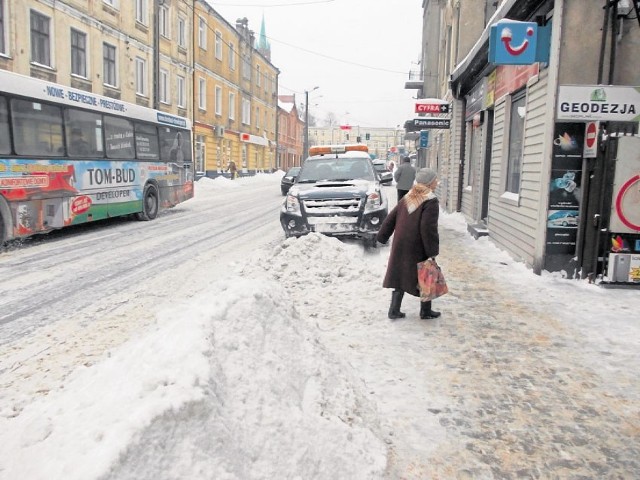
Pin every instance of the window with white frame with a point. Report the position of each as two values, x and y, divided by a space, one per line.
246 112
112 3
202 33
3 46
40 39
258 75
517 113
218 100
202 93
474 129
246 67
218 45
78 53
141 76
164 86
201 145
257 117
232 106
109 65
163 21
181 87
232 57
182 32
142 12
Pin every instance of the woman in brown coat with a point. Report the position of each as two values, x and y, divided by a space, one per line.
415 223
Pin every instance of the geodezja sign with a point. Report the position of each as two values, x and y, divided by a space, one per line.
598 102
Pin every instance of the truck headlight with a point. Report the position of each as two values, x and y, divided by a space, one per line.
374 200
292 204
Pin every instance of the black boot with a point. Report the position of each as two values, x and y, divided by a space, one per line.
396 301
426 312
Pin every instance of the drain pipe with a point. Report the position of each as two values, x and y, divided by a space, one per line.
603 41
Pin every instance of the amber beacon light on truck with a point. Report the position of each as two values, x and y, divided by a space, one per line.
327 149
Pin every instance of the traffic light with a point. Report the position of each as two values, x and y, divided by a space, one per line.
367 136
358 139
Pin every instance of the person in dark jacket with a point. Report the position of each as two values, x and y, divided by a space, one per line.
414 220
404 176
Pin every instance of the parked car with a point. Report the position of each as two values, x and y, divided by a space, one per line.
289 179
337 193
386 177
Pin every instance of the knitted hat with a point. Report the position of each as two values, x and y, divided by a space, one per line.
426 176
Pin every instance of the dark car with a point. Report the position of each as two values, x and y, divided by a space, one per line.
337 193
289 179
386 177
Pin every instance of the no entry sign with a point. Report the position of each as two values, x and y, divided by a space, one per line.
591 140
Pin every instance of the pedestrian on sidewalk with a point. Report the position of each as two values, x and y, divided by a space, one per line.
233 169
414 223
404 176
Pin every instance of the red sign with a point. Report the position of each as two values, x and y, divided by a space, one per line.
619 203
80 204
244 137
590 138
432 108
345 127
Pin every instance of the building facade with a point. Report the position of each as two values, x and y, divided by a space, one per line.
180 57
290 133
382 142
107 47
235 99
514 161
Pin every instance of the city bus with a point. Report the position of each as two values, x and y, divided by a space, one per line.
68 156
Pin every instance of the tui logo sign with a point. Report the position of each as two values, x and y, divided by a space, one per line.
518 43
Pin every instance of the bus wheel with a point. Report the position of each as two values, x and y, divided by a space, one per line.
150 203
2 232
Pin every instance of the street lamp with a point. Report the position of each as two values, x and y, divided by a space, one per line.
305 152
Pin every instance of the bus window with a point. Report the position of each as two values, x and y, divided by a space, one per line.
175 145
119 138
147 142
84 133
37 128
5 143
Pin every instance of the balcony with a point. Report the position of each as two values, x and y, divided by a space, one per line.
415 81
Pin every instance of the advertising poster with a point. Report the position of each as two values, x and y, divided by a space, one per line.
565 188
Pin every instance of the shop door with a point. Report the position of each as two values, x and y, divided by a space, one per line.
486 176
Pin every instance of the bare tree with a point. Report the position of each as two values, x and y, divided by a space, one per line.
330 120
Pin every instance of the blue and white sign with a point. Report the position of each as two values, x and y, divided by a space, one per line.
424 138
518 43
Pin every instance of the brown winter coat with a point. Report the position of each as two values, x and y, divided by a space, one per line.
416 239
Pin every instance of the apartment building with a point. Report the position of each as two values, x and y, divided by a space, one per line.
513 161
235 105
290 133
181 57
108 47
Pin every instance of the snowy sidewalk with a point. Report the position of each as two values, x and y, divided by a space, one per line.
522 376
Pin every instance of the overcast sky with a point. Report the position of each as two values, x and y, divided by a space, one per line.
358 52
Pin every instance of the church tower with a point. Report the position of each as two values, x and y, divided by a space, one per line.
262 44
